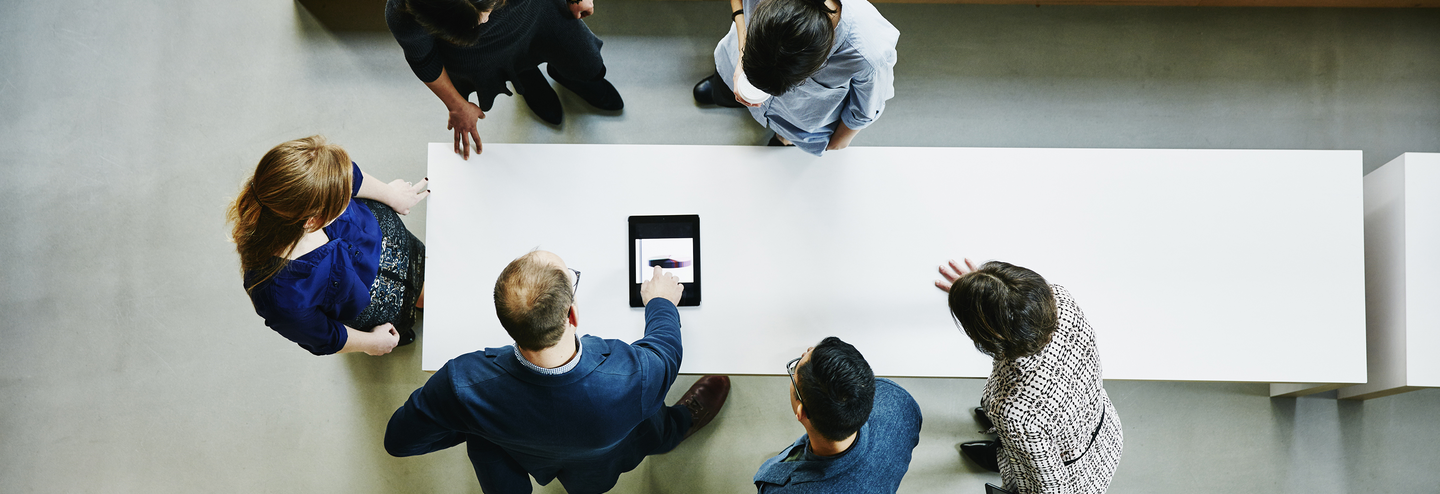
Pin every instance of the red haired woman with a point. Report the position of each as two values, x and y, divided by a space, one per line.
326 259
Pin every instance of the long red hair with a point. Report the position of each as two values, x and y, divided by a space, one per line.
296 181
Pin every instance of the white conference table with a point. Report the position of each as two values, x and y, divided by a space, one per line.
1192 265
1402 276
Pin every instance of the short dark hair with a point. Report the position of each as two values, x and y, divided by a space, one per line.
1007 310
532 299
786 41
837 388
455 21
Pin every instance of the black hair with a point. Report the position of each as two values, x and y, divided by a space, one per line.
837 388
455 21
786 41
1007 310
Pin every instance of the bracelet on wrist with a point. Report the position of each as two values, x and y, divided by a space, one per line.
738 12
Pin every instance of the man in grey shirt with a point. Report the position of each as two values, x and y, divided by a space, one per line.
825 85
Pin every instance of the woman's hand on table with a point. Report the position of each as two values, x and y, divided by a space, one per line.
952 271
404 195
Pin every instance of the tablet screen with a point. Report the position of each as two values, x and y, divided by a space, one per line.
674 255
671 243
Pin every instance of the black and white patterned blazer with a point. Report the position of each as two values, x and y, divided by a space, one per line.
1048 406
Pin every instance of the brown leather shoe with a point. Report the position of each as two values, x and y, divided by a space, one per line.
704 400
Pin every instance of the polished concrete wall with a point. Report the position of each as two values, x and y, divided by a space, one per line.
131 361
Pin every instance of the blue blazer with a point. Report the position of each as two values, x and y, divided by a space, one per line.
875 463
586 426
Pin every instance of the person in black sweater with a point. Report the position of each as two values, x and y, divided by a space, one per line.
458 47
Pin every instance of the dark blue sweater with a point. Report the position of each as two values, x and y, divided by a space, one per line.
547 423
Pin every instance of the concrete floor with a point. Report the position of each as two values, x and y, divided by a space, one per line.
131 361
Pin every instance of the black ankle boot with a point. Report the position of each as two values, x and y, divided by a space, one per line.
982 419
986 454
539 96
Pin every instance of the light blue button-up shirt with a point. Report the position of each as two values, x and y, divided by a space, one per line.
852 86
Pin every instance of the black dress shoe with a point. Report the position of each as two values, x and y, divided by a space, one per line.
702 92
713 91
539 96
982 419
407 336
983 453
600 94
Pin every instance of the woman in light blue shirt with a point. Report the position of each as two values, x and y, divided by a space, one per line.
825 85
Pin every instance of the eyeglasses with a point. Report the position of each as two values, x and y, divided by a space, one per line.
576 288
790 369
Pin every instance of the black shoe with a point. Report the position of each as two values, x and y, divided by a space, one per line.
539 96
982 419
986 454
407 336
713 91
600 94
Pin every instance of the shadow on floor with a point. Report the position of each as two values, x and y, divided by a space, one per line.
347 15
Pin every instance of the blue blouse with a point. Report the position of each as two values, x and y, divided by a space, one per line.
307 300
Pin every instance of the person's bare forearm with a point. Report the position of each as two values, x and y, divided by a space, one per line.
372 188
842 135
356 340
445 90
739 22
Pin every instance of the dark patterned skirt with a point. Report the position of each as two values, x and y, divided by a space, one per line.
401 276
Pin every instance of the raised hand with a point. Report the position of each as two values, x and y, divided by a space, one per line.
952 271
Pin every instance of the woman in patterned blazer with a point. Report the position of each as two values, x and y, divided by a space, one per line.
1058 432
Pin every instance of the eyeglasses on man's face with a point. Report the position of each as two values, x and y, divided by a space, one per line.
575 288
790 369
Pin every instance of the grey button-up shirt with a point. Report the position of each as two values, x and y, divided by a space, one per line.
852 86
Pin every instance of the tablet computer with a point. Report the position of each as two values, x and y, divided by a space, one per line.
673 244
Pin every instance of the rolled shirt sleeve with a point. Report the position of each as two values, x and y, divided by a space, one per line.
868 92
312 330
